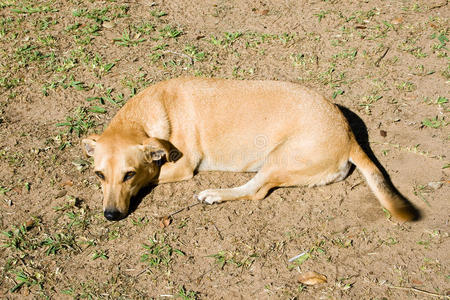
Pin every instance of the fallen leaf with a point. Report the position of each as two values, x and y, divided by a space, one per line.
17 190
29 224
396 21
417 282
312 278
264 12
68 183
165 221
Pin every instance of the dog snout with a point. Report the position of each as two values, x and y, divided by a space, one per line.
113 214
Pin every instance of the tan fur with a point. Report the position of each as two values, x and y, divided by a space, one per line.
288 134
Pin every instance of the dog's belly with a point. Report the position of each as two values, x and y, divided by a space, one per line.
239 161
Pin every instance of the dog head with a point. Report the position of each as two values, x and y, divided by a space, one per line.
124 166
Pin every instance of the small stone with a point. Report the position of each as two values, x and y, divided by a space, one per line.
435 185
383 133
108 25
60 194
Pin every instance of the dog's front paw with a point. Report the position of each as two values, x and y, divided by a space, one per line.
209 197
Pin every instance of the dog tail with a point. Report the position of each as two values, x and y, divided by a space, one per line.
399 207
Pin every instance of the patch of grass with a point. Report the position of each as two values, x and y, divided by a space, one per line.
223 258
23 278
79 123
337 93
44 23
420 191
320 15
368 101
144 28
158 14
228 39
109 97
350 54
142 221
100 15
135 84
170 32
186 294
434 122
159 252
4 190
193 51
406 86
78 218
27 54
342 243
59 241
99 254
9 82
18 239
127 41
32 10
440 48
441 100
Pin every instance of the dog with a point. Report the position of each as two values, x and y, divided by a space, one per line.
286 133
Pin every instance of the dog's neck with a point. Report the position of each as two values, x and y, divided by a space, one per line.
153 123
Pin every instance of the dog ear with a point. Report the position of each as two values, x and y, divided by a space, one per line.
88 144
155 149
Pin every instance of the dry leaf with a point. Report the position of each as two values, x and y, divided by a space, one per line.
17 190
29 224
165 221
67 183
312 278
396 21
264 12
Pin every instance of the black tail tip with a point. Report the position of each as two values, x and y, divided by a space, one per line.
407 213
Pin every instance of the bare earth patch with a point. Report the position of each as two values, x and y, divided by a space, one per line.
67 66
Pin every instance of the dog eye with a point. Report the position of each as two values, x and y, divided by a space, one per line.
100 175
128 175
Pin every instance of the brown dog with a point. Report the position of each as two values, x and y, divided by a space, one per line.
286 133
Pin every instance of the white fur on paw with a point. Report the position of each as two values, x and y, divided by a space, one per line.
209 197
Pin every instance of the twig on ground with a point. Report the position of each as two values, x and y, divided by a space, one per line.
413 289
218 231
439 5
377 63
182 209
181 54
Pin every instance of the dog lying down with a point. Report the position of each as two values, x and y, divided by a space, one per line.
288 134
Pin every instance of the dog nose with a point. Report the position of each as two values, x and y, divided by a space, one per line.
112 214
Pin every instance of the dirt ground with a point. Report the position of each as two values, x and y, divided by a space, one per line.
66 68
